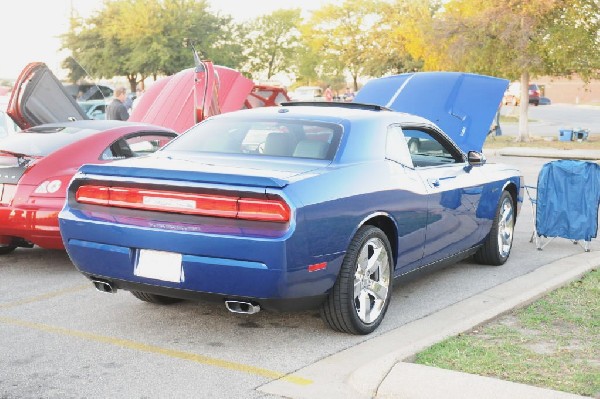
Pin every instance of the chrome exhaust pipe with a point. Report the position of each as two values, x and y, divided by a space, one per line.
242 307
104 286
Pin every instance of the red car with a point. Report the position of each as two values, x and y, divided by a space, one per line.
37 164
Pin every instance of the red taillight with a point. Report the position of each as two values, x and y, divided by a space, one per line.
267 210
187 203
96 195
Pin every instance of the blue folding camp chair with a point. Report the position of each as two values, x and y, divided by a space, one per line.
566 202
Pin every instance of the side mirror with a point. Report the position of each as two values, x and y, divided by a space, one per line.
476 158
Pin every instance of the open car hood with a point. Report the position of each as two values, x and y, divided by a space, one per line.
463 105
38 97
180 101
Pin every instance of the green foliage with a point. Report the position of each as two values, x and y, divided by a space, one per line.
273 42
514 39
360 38
307 64
341 35
140 38
396 41
571 39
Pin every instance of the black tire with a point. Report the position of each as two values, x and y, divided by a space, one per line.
7 249
153 298
342 310
498 244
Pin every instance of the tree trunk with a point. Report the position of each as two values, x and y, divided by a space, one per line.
524 108
132 82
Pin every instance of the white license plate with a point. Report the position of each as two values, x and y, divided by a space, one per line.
159 265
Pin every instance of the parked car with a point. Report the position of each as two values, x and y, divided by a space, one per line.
179 101
90 91
512 96
38 163
302 206
307 93
94 109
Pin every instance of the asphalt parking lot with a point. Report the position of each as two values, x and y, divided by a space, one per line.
60 338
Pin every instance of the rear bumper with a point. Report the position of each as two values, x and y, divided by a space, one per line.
269 270
37 226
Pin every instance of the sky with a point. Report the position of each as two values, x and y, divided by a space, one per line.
30 29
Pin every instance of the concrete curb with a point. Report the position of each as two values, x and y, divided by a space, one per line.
584 155
420 381
369 370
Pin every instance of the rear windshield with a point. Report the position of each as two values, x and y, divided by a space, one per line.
279 138
37 142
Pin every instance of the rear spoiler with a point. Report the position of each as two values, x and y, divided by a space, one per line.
115 170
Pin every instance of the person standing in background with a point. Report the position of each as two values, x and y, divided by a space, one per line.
348 95
328 94
116 109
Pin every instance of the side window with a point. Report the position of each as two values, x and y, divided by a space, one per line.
395 148
136 145
426 148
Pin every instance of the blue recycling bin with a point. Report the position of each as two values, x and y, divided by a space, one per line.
565 135
573 135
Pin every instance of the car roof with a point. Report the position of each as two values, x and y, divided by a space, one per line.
327 112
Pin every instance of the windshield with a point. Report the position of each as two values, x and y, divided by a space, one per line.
39 143
274 137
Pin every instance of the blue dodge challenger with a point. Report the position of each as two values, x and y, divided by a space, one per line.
307 205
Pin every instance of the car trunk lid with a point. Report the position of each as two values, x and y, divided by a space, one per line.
210 170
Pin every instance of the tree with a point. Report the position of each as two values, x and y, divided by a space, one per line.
140 38
516 39
307 63
400 27
273 42
340 34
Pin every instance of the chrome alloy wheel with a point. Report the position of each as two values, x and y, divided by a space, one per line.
371 280
506 227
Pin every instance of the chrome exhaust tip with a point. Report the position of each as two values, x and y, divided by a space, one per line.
104 286
242 307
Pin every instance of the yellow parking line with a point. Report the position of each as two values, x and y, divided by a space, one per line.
125 343
43 297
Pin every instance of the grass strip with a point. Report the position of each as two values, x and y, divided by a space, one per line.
553 343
